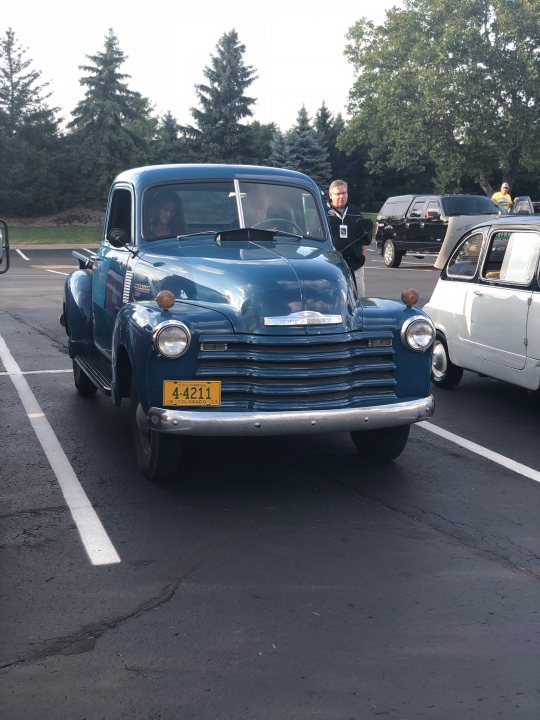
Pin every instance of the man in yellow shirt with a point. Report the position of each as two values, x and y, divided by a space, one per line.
502 197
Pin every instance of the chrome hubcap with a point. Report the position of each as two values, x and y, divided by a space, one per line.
439 362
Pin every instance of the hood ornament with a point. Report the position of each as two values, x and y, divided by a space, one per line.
303 318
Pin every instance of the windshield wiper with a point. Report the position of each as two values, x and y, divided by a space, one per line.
194 234
253 234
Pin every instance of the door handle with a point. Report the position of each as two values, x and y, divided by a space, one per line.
477 292
422 224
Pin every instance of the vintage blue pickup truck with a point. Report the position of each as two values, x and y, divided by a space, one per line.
218 305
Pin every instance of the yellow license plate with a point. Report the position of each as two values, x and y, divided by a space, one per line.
188 392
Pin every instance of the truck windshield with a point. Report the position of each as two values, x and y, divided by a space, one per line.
189 208
469 205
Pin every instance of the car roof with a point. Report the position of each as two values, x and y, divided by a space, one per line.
423 197
149 175
427 196
518 222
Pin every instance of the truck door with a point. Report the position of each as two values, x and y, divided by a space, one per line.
415 226
435 228
111 266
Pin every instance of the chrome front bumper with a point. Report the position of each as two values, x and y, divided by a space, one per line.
194 422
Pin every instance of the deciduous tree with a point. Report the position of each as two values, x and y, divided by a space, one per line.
453 84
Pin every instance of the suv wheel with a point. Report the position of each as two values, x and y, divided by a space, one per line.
391 257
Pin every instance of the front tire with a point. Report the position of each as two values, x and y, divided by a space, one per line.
444 373
383 444
391 257
83 383
158 454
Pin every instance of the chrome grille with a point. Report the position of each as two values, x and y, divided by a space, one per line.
299 372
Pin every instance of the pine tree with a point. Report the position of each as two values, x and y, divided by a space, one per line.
350 168
169 144
218 134
112 125
324 127
279 155
306 151
29 135
257 148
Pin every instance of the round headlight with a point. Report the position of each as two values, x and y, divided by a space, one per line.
418 333
171 339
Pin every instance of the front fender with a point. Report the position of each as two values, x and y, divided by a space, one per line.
413 369
78 312
132 341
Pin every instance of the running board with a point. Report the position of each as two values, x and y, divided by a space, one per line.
98 369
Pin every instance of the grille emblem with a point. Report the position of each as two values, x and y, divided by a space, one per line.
302 318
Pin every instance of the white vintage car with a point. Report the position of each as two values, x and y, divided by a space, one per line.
486 305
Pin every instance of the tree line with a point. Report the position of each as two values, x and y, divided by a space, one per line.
446 99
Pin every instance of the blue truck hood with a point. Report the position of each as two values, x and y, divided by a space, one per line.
260 287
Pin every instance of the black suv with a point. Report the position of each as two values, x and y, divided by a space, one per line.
418 223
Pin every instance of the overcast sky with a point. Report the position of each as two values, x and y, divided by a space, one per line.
296 48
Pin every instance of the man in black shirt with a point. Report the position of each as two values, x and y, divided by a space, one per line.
350 232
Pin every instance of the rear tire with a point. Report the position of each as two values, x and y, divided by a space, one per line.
83 383
444 373
391 257
158 454
383 444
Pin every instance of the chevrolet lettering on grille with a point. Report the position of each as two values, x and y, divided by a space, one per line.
304 317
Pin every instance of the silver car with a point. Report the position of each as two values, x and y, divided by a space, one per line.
486 305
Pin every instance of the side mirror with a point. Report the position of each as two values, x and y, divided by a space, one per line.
4 247
118 237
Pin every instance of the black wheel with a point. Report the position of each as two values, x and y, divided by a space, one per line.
82 382
444 373
391 257
158 454
382 445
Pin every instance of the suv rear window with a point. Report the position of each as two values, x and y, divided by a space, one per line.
468 205
395 207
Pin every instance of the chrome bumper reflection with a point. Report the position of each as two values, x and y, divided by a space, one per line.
194 422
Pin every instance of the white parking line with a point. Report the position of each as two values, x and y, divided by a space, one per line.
484 452
40 372
21 254
97 544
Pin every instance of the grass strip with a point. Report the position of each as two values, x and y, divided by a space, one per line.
72 234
